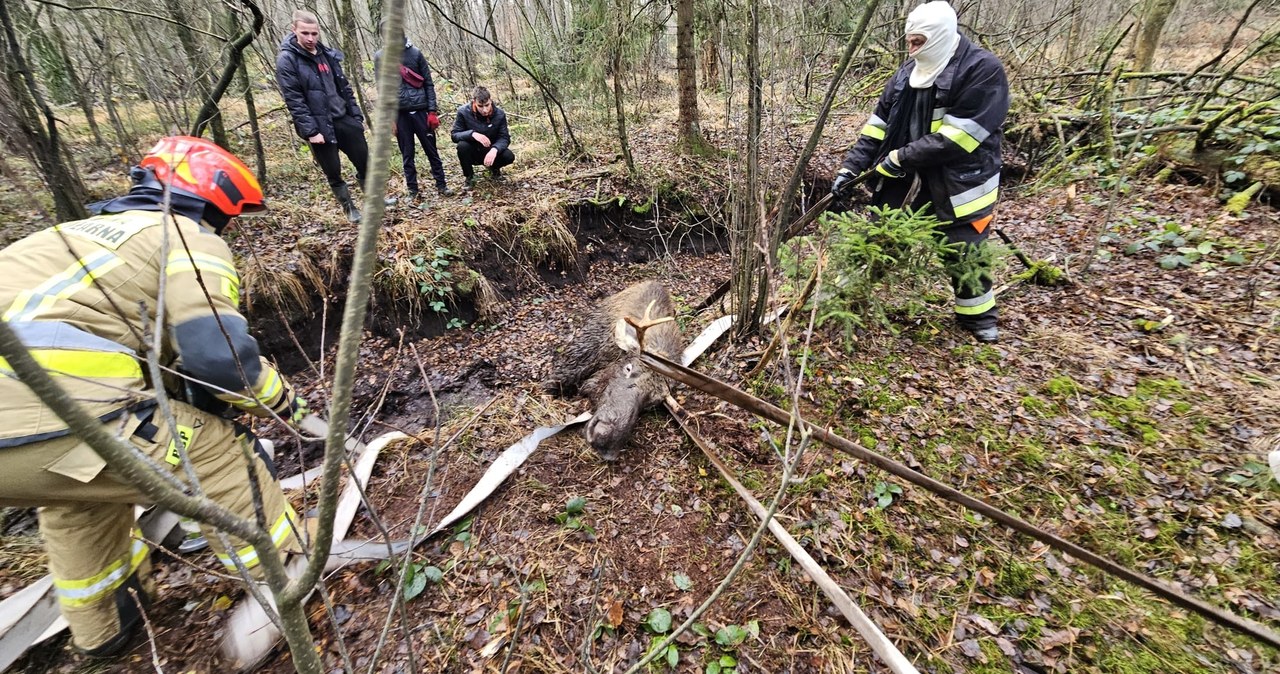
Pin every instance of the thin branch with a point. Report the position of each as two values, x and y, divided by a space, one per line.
133 12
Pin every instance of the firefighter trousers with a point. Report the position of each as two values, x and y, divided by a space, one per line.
87 516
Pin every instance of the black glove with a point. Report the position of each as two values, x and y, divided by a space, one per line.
890 167
843 183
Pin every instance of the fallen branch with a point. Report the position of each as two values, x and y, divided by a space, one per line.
879 643
776 414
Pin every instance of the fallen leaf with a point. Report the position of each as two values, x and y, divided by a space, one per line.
1051 640
615 613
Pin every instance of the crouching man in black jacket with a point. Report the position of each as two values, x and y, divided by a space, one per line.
480 130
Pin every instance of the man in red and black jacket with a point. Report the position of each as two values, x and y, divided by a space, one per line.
939 119
417 117
480 130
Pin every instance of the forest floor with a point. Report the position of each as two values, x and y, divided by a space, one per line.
1126 413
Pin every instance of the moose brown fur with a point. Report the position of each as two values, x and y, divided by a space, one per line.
615 381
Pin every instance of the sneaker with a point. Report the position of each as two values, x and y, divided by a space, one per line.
989 335
414 195
445 191
470 182
496 176
389 201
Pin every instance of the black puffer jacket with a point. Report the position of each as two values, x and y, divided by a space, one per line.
312 105
411 97
958 158
493 126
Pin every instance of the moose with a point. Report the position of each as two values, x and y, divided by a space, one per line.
595 363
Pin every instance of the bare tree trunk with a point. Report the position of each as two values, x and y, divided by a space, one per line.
750 281
460 16
1155 15
201 82
498 62
688 131
235 54
350 48
84 96
40 129
620 108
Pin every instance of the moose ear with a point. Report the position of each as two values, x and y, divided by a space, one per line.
625 337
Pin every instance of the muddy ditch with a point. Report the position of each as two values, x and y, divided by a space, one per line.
500 273
504 283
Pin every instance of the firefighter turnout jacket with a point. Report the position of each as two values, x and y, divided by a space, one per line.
958 159
84 297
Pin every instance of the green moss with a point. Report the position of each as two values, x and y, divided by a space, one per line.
1016 578
1031 454
1061 386
1037 407
812 485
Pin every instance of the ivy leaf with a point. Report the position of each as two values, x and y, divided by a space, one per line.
730 636
433 574
682 582
659 620
414 584
576 505
673 656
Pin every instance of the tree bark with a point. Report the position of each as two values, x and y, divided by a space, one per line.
1155 15
40 129
209 113
750 280
688 131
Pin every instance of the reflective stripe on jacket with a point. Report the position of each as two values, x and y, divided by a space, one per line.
80 294
959 159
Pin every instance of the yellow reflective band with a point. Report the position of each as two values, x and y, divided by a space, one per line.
279 534
935 125
80 275
86 591
976 305
92 364
959 137
978 204
180 261
174 456
231 290
270 387
871 131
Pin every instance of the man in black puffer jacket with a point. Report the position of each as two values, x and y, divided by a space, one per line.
322 105
480 130
417 116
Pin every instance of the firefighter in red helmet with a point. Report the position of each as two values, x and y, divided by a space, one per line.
83 296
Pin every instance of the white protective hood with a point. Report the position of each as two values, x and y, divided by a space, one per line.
937 22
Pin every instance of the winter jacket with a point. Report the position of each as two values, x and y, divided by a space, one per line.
311 103
958 159
72 293
413 98
493 126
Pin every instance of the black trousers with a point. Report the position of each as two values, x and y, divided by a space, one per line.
968 263
352 143
471 153
411 125
967 260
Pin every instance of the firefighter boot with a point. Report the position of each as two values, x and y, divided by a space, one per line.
130 600
343 194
